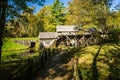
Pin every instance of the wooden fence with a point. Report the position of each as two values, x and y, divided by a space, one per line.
75 70
26 69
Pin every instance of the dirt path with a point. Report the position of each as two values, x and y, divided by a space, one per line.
56 69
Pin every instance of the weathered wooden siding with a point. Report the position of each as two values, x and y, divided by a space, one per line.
48 42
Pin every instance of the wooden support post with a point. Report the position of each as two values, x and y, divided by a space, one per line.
75 74
53 51
49 53
32 46
30 70
42 58
45 53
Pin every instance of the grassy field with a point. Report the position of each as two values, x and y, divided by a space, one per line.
9 44
99 62
34 38
12 49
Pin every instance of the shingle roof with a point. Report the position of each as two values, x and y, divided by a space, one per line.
47 35
63 28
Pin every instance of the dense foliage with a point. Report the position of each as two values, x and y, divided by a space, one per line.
86 14
21 21
10 10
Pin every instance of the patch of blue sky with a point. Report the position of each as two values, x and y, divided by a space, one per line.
65 2
114 3
47 2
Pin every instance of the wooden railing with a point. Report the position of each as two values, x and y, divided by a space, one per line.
27 69
75 70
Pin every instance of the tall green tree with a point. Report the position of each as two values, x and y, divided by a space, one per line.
57 10
114 19
3 5
50 16
43 19
80 12
101 10
91 13
22 25
58 13
10 9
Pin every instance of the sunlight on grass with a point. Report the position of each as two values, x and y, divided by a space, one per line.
27 38
10 45
93 61
10 49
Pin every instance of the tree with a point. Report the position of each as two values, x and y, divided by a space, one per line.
114 26
50 16
3 5
114 19
30 26
10 9
58 13
88 12
80 12
21 25
73 14
102 13
43 19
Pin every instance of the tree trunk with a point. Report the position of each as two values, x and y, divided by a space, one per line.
3 5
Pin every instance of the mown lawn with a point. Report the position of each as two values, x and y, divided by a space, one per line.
99 62
9 44
12 49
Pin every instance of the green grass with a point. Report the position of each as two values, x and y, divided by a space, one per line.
11 54
12 49
34 38
99 62
9 44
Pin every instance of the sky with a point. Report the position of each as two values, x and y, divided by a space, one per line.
115 2
50 2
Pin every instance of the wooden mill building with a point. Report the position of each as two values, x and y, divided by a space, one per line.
52 39
67 35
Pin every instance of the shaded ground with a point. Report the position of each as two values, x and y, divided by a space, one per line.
56 68
99 62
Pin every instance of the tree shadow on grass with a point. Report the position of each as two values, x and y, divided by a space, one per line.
114 64
70 54
110 64
95 74
16 65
